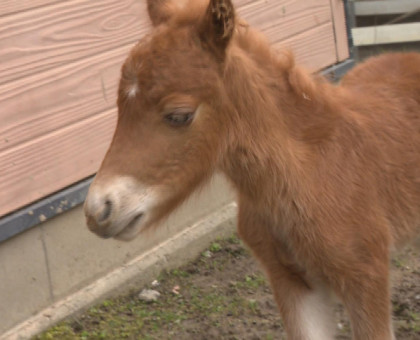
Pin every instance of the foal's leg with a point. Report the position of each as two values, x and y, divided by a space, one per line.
306 312
365 293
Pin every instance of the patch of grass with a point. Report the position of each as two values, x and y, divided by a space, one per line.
215 247
196 301
416 327
233 239
254 281
179 273
251 282
108 303
61 331
398 262
413 316
253 306
135 319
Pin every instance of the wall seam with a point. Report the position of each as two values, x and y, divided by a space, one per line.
337 57
47 264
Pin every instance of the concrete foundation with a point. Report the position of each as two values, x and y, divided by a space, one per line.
60 258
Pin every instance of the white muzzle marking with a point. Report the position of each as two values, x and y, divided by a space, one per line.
119 208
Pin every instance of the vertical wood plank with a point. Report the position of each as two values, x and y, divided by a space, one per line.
340 30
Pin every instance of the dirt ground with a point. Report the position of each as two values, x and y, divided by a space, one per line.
224 295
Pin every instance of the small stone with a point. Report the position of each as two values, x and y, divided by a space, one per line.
207 254
149 295
155 283
175 290
340 326
42 218
417 297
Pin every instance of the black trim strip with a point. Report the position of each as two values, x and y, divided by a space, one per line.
335 72
43 210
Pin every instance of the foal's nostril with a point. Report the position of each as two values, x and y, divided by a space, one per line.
103 215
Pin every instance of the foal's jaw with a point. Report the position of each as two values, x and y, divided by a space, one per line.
120 208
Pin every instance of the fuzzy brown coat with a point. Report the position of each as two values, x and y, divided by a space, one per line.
328 177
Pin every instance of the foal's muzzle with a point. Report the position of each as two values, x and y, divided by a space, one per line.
118 208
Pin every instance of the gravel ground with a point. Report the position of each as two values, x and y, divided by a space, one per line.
223 295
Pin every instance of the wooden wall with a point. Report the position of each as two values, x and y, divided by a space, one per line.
59 69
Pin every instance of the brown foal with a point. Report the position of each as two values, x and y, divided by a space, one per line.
327 176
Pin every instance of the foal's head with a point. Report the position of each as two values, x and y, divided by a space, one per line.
170 130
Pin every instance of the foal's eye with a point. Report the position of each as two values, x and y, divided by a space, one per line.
180 117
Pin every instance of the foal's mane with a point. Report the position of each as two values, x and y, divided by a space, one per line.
307 101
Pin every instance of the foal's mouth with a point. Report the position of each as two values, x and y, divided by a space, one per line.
129 231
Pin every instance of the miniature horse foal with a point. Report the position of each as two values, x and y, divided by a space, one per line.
328 177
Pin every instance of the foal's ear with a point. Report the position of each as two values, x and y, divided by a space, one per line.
160 11
218 25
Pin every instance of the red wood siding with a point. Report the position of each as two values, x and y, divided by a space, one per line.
59 71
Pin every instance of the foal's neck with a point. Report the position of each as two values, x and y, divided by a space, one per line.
281 118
